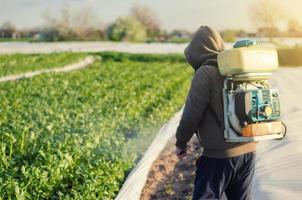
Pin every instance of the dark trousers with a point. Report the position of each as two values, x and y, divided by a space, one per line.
232 176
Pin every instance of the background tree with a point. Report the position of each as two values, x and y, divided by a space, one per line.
75 24
49 35
267 14
294 28
231 35
179 36
7 29
148 18
127 29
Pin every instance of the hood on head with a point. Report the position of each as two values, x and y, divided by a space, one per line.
204 47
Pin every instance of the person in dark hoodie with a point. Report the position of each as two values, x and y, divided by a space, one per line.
223 167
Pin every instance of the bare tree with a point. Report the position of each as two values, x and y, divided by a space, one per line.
7 29
293 25
267 14
147 17
61 23
74 22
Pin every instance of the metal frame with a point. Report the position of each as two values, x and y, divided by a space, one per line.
229 133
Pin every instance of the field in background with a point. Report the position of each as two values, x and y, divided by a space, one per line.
77 134
290 56
289 50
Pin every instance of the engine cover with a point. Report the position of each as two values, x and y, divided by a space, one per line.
259 105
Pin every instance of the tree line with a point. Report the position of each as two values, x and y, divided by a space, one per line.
142 25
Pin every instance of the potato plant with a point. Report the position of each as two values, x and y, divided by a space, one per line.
78 135
18 63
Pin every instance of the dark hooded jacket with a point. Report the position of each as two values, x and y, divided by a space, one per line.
203 111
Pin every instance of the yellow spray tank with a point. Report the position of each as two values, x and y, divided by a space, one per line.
251 59
251 108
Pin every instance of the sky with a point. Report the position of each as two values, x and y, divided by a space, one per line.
173 14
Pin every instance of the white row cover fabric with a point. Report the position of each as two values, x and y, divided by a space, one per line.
136 180
67 68
42 47
278 173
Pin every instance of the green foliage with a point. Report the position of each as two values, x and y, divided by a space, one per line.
20 63
22 39
229 35
121 57
179 36
290 56
48 35
77 135
178 40
127 29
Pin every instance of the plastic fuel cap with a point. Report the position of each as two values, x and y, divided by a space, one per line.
246 43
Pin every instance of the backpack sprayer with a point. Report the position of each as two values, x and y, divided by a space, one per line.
251 107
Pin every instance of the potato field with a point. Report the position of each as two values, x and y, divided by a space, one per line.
77 135
18 63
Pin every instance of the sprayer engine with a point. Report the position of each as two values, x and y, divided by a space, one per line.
259 105
251 108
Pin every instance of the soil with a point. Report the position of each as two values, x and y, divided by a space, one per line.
171 178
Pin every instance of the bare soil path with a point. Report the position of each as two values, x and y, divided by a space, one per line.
171 178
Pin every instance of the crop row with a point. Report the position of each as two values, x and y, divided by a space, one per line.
18 63
76 136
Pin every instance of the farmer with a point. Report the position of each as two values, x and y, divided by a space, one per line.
223 167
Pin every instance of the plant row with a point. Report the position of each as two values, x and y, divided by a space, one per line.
77 135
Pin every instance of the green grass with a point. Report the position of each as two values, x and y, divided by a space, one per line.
77 135
122 57
14 40
19 63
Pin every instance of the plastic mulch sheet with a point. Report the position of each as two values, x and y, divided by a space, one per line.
136 180
278 173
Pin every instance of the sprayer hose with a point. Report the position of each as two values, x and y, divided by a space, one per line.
285 131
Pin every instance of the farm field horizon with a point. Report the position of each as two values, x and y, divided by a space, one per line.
127 47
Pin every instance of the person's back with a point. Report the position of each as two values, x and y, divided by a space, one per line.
223 166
